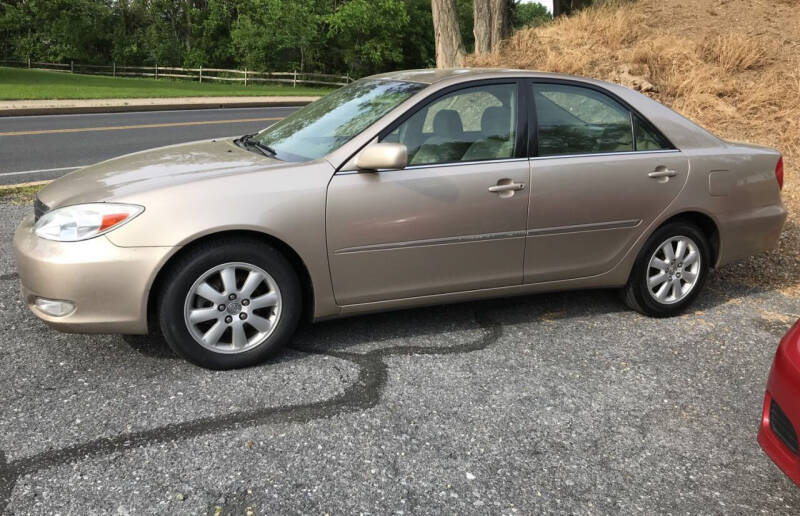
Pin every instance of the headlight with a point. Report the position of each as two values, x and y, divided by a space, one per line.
84 221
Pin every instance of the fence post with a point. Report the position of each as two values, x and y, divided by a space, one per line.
156 70
113 69
201 74
294 79
245 76
72 66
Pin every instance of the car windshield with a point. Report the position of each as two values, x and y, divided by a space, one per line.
333 120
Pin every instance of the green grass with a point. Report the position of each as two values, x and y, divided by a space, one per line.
24 84
20 194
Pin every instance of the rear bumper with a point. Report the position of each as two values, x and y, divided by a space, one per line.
749 232
109 285
783 388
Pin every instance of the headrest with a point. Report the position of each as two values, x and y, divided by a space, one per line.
495 122
447 122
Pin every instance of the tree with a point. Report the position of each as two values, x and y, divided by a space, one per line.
492 24
482 26
529 14
501 21
369 33
449 44
272 34
328 36
569 6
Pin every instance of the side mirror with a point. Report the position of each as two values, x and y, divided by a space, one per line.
383 155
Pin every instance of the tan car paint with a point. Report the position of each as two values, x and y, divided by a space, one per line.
110 284
193 190
425 230
586 211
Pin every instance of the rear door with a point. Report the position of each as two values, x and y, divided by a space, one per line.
600 175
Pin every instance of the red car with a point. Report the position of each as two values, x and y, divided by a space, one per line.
781 416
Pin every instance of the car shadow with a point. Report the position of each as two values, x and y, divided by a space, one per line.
422 324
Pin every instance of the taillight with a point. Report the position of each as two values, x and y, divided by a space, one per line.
779 172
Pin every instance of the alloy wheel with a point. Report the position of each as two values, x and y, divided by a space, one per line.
232 308
673 270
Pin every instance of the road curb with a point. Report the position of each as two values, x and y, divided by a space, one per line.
79 110
23 185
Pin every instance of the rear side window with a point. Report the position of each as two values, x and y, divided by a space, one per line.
647 138
576 120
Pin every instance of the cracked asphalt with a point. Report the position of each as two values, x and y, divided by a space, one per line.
565 403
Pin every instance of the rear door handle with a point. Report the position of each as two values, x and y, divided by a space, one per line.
662 172
507 187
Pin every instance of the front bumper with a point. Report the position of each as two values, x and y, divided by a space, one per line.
783 389
108 284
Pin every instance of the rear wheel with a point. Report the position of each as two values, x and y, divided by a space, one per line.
669 272
230 304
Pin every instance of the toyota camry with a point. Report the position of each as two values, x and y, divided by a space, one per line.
399 190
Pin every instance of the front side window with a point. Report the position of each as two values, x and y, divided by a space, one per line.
577 120
470 124
330 122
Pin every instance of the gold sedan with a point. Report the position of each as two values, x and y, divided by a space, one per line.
399 190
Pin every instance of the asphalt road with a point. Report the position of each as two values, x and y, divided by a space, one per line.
33 148
560 403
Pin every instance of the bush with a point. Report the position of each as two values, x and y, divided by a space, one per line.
529 15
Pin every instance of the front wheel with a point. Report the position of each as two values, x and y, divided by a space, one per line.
669 272
230 304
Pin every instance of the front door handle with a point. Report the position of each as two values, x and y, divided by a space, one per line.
506 185
506 188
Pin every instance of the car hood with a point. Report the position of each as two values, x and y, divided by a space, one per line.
154 168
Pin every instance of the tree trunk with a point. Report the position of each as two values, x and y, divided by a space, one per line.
482 15
492 24
449 45
188 13
501 21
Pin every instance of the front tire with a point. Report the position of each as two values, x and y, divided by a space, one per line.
669 272
230 304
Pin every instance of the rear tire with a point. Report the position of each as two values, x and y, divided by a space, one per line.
669 272
230 304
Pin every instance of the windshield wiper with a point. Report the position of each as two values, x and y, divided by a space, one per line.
248 141
266 148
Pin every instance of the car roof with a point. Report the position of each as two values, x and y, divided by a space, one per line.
432 75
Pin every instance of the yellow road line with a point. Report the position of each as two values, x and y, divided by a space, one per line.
141 126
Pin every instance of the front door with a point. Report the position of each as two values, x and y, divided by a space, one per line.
601 175
453 220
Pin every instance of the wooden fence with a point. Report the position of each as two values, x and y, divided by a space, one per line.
194 74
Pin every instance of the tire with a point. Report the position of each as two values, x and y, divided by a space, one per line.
674 300
223 328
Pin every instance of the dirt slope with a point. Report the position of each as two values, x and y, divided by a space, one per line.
731 65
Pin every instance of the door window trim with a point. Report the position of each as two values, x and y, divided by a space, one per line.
600 154
435 165
533 133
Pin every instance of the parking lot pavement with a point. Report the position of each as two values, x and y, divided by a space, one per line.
560 403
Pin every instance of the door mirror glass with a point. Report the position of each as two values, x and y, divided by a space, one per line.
382 156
